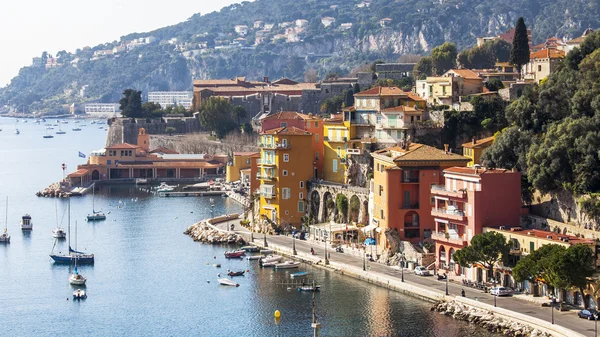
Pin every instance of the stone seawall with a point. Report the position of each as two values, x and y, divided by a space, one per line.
125 130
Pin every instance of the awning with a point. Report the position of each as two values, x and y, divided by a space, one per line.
368 228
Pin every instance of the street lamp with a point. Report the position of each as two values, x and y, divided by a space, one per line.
365 259
447 285
552 309
326 258
294 245
596 323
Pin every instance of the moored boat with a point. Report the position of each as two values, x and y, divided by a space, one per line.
79 294
82 258
236 273
228 282
5 238
250 249
287 265
77 279
271 258
59 233
266 251
311 288
235 254
95 216
298 274
253 257
26 223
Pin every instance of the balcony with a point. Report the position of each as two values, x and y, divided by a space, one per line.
456 214
336 139
274 146
409 225
410 179
265 176
389 126
354 152
267 191
441 190
265 162
441 237
409 205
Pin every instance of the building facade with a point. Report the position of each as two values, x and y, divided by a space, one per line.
474 149
240 161
542 63
171 98
103 109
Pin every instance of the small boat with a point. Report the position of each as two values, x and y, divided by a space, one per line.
298 274
310 288
250 249
236 273
287 265
5 238
272 258
165 188
95 216
17 132
235 254
72 254
26 223
253 257
141 181
59 233
268 264
79 294
47 135
228 282
60 131
76 129
266 251
217 265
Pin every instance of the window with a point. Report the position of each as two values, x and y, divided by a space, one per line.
380 190
283 124
300 206
339 151
284 143
317 155
285 173
286 157
540 67
316 124
316 137
335 165
285 193
377 166
247 161
301 196
302 184
108 162
381 214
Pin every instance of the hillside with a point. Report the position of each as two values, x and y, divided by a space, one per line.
210 46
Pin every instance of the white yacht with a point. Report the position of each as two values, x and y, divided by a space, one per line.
4 237
165 188
26 223
59 233
79 294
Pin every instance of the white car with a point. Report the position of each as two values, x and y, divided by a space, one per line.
420 270
499 291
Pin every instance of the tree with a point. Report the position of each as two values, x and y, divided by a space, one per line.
443 58
355 88
246 128
310 76
170 130
494 84
579 265
239 113
500 49
485 249
423 68
519 54
342 206
216 116
373 67
151 109
349 98
131 103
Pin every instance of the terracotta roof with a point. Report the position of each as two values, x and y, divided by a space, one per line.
122 146
291 130
78 173
402 108
484 142
548 235
248 154
164 150
290 115
170 164
547 54
475 171
420 153
465 73
387 91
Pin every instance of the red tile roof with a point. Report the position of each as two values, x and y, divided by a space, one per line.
245 154
420 153
78 173
290 115
549 235
484 142
547 54
122 146
388 91
466 73
291 130
475 171
403 108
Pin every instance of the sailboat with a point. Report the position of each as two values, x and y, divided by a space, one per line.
60 132
58 232
4 237
75 278
17 131
95 216
47 135
72 254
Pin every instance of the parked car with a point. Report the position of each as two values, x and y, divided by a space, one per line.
589 314
422 271
301 235
499 291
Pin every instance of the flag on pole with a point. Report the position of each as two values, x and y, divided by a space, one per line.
81 154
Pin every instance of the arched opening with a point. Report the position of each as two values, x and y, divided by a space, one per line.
442 257
589 301
95 175
451 263
412 228
354 208
315 204
330 209
341 205
365 212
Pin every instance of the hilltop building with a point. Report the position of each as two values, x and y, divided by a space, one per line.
474 149
542 63
103 109
448 88
171 98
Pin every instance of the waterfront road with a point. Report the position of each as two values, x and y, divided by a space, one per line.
567 319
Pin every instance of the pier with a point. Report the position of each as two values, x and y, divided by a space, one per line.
189 194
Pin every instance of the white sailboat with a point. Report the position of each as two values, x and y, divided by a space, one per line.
4 237
60 131
72 254
58 232
95 216
75 278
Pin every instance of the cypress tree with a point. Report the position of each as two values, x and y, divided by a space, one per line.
519 54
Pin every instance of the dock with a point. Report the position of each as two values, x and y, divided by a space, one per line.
189 194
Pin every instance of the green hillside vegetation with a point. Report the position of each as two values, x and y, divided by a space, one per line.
553 135
161 65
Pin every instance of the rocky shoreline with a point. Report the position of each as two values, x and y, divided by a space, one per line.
202 232
486 319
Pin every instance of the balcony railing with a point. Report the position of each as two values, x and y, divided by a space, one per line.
265 176
274 146
442 190
267 195
354 151
265 162
410 179
453 214
411 225
336 139
441 236
409 206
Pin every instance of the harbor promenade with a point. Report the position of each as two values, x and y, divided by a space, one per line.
566 323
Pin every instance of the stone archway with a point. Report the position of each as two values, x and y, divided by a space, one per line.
315 205
364 212
354 209
442 256
329 208
341 205
95 175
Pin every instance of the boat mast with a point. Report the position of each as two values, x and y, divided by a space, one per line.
69 221
6 217
315 325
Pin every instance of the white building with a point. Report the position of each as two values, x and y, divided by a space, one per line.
241 30
103 109
171 98
327 21
301 23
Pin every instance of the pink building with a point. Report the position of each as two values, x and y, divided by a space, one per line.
472 198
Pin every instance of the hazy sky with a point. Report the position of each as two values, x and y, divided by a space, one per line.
28 27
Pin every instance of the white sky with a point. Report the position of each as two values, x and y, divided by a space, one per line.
28 27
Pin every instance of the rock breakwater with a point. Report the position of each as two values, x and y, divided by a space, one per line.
487 319
204 233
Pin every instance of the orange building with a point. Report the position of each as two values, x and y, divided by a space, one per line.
469 199
128 162
401 189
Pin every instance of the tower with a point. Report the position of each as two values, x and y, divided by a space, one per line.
143 140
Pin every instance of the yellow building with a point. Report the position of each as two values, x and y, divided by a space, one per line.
286 164
336 135
474 149
241 161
